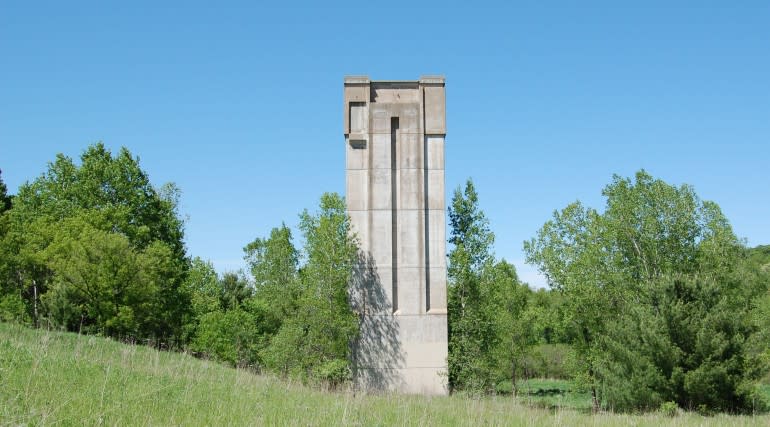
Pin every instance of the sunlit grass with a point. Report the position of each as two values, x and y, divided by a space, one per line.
64 379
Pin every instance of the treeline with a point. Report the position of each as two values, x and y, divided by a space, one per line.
294 318
659 301
653 301
500 330
94 248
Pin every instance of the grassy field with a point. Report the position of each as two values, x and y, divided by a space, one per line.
51 378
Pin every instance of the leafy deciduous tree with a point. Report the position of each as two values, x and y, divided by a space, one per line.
654 296
471 331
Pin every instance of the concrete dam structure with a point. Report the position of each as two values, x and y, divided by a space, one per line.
394 141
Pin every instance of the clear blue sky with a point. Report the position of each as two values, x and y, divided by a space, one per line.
240 103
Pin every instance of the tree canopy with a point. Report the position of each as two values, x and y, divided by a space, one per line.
658 295
94 245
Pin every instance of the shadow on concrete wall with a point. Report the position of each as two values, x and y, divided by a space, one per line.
377 353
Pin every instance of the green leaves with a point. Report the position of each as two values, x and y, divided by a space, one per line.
304 322
103 284
103 241
317 337
656 292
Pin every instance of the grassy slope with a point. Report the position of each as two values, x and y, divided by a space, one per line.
66 379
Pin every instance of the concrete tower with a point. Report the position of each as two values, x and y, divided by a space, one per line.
394 140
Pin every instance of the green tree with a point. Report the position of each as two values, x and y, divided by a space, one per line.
760 257
314 343
5 199
274 266
235 290
277 289
201 287
12 303
656 295
230 336
505 300
100 283
115 186
471 329
109 194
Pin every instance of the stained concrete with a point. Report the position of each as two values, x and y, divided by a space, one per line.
394 142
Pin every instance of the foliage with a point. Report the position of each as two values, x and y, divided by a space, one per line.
760 257
657 296
201 287
492 323
471 330
513 320
100 283
547 361
95 247
274 266
235 290
5 199
669 409
304 320
230 336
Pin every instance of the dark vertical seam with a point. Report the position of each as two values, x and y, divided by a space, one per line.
394 210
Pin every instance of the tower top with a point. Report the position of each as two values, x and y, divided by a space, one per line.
365 80
426 96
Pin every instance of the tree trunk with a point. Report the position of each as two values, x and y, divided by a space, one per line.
594 398
34 300
513 378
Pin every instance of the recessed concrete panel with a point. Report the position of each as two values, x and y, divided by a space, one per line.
409 118
395 93
423 328
371 290
410 150
395 190
434 110
411 183
435 151
357 189
359 118
380 119
359 224
356 154
436 199
411 290
380 186
437 290
437 238
380 235
380 147
411 238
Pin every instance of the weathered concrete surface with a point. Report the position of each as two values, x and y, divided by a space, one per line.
394 142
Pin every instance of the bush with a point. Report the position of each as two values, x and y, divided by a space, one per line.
334 373
230 337
669 409
504 387
12 309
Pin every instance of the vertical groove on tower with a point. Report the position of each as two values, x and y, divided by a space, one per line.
394 208
426 211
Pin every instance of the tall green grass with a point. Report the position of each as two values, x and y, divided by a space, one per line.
53 378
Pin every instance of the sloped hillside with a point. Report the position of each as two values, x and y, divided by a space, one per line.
66 379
